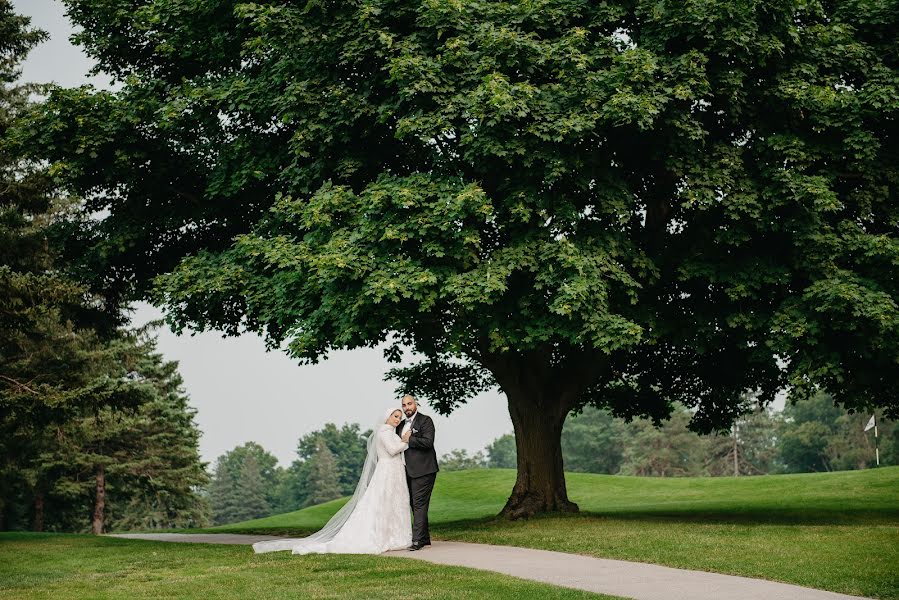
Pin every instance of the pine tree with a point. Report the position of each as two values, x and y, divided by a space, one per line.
228 493
251 502
323 480
267 462
127 469
164 476
223 494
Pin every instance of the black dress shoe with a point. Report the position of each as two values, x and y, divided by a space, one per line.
414 547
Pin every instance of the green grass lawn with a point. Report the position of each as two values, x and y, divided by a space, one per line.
834 531
75 567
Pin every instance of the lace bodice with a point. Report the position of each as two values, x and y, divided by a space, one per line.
390 446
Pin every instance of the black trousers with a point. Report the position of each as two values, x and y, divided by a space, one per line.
420 489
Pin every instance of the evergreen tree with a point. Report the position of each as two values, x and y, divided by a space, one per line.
293 490
241 475
348 446
266 462
251 492
323 480
750 446
59 356
136 468
223 494
164 477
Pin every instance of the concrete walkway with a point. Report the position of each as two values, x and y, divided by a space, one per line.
640 581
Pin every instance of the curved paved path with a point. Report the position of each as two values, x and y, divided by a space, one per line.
640 581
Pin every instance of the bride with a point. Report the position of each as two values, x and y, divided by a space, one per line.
376 518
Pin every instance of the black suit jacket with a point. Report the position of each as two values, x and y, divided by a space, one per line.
421 459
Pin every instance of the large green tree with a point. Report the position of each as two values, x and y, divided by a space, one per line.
54 364
623 204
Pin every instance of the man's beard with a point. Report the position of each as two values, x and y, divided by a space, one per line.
409 413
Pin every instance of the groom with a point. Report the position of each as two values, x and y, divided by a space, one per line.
421 467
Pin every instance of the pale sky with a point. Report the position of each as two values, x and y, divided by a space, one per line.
241 392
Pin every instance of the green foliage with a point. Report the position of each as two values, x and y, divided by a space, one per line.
501 453
674 197
817 435
750 448
322 482
634 206
459 460
245 484
251 491
79 396
149 456
593 442
223 493
265 462
809 435
670 450
347 446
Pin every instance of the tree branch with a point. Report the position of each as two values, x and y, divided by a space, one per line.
19 384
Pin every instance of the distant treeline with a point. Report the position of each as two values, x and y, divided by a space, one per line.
808 436
813 435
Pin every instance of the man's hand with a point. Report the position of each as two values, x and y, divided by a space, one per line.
407 435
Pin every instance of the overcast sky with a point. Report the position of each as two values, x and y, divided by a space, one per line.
241 392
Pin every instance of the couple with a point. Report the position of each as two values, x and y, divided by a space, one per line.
399 470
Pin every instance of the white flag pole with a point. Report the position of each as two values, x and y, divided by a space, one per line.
876 448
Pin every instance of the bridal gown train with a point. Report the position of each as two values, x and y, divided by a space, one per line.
380 520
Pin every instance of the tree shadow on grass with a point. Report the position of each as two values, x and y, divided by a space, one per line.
767 516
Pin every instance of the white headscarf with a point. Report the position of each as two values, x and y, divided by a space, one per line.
390 412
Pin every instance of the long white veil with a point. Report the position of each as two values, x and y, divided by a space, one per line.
335 523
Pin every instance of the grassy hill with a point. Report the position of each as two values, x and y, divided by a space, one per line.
837 531
840 497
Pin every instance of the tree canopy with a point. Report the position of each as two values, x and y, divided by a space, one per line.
621 204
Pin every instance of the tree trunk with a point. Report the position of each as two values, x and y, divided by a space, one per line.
99 501
38 524
542 386
540 485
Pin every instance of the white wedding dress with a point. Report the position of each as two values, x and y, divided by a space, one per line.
377 517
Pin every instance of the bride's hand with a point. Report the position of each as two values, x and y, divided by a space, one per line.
407 435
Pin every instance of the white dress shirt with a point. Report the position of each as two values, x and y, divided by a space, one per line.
408 424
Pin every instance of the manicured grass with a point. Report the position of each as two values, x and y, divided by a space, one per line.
835 531
74 567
